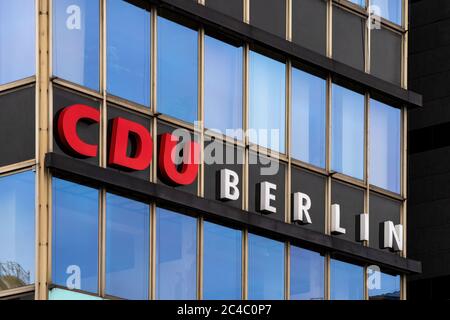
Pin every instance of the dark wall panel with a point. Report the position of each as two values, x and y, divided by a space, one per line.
233 8
309 24
386 55
269 15
88 132
381 209
115 112
212 170
258 175
348 38
17 126
314 186
351 201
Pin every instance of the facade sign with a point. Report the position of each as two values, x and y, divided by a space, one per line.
126 135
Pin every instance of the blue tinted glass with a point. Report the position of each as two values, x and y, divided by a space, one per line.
177 70
388 9
267 102
75 236
127 247
348 132
361 3
76 41
176 256
128 51
17 236
265 268
308 118
17 40
307 275
387 288
346 281
385 145
222 256
223 86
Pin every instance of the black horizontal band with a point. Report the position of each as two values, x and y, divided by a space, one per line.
134 187
237 29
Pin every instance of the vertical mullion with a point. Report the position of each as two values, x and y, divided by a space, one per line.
367 44
367 158
152 286
329 50
287 268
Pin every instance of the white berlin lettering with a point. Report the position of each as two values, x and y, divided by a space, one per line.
392 235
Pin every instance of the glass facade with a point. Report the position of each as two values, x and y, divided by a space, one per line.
307 275
128 52
223 87
389 9
385 146
265 268
348 132
75 224
383 286
267 102
127 248
76 42
17 230
222 260
176 256
17 40
177 70
346 281
308 118
161 69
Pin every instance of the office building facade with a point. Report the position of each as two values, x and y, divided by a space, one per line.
178 149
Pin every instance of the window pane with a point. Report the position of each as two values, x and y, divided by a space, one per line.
388 287
17 40
347 281
127 247
76 41
223 86
75 236
307 275
308 118
128 51
265 268
385 144
348 132
222 256
267 102
176 256
17 236
388 9
361 3
177 70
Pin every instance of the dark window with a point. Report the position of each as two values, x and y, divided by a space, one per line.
348 38
309 24
17 40
76 41
128 51
17 125
222 259
75 236
386 55
127 247
269 15
234 8
351 201
88 132
17 230
381 209
314 186
264 169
